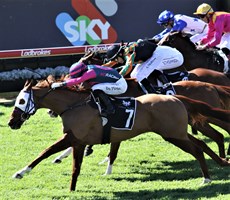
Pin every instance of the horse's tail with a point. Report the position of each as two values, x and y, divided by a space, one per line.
224 94
227 74
200 111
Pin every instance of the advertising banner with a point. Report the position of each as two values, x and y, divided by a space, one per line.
31 24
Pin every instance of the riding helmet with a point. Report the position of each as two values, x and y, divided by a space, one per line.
113 52
77 69
165 17
203 9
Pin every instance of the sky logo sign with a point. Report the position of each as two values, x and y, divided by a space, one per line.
90 26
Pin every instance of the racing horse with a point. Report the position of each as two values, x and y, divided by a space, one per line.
197 74
204 127
214 95
82 124
193 58
210 74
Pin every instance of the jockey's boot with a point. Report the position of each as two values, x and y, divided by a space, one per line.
167 86
226 51
228 70
169 89
104 98
147 86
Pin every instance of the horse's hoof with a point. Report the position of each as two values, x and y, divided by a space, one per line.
225 162
106 174
56 161
88 152
52 114
104 161
17 176
206 181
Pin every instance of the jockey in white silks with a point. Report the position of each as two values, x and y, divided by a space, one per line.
149 58
195 27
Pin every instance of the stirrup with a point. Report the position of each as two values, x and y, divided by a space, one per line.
169 89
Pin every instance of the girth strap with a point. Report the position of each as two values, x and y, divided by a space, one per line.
106 132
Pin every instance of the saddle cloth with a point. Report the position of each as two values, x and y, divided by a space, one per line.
177 76
125 111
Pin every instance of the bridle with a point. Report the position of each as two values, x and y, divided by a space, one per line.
25 103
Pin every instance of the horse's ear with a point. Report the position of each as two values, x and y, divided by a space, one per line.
30 83
27 83
86 58
50 79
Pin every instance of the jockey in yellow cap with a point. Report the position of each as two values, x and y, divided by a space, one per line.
218 28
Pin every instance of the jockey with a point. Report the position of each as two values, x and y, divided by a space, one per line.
181 23
218 30
150 59
104 80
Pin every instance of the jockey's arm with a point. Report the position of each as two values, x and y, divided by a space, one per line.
111 63
218 33
86 76
159 36
179 25
127 68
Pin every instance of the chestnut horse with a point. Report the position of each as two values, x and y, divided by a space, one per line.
197 74
82 124
193 89
193 58
214 95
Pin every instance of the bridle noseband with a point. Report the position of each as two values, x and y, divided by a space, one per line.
25 103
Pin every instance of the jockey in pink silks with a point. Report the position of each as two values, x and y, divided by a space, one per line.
103 80
218 30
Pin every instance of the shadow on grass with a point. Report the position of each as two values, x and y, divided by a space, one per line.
174 171
208 191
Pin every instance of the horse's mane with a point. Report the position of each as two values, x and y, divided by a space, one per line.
172 35
46 83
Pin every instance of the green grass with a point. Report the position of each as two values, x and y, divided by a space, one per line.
147 167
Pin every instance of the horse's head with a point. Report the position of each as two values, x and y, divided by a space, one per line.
24 106
177 40
96 58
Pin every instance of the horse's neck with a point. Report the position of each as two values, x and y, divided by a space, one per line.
134 89
184 45
59 100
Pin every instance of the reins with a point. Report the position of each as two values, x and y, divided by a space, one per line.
84 103
75 105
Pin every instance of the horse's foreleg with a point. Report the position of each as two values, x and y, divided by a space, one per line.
114 147
67 152
78 152
228 151
189 147
213 134
194 131
63 155
60 145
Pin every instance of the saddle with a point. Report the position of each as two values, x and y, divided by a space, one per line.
177 76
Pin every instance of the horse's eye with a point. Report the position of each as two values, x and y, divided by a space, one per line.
22 101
